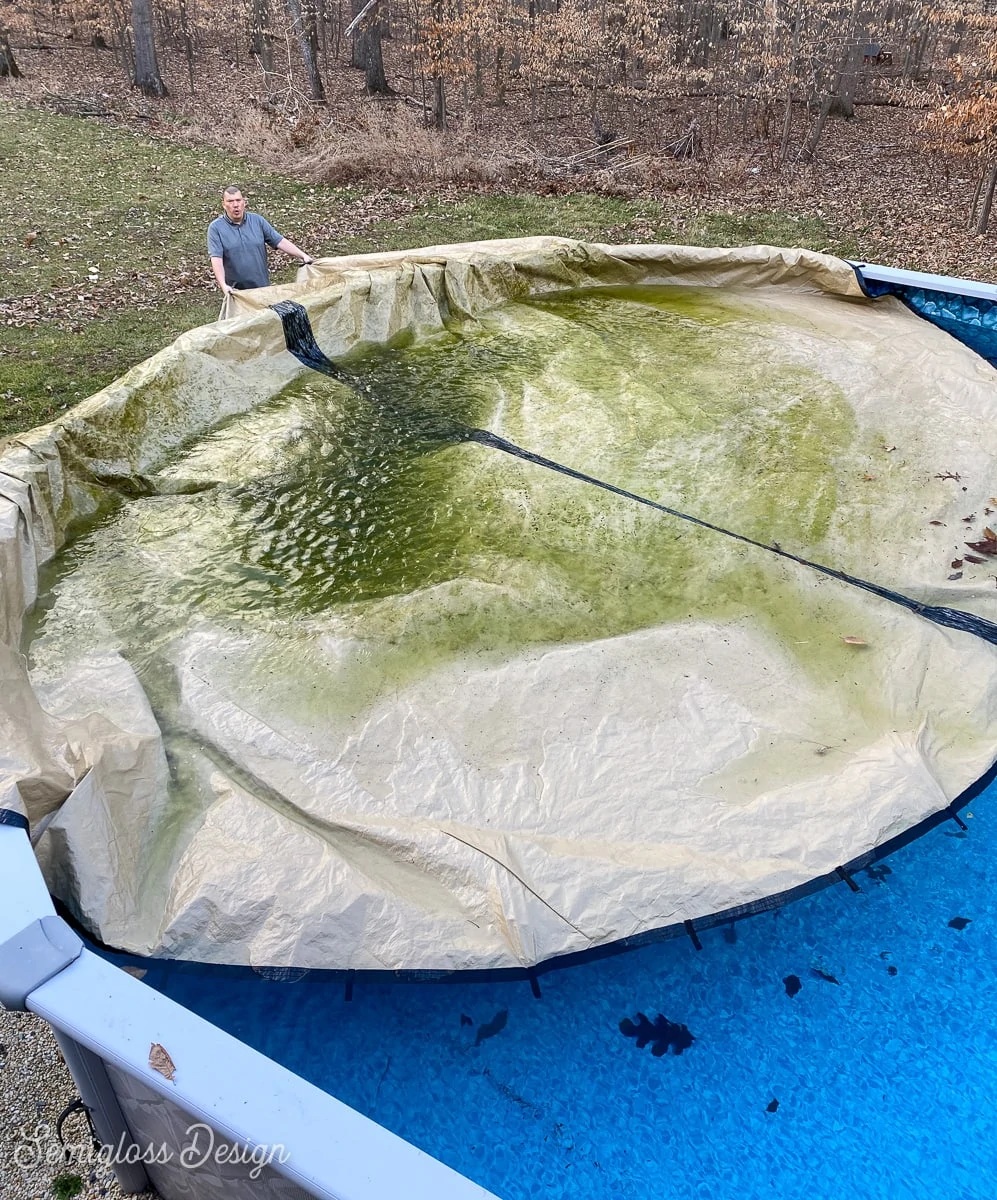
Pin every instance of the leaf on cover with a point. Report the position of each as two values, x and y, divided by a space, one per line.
956 563
987 547
974 558
160 1061
957 575
854 641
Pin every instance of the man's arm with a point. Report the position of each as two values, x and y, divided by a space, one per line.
218 270
291 248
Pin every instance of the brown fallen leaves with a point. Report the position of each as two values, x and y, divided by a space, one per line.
160 1061
988 545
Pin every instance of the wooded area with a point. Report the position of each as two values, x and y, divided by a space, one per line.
633 82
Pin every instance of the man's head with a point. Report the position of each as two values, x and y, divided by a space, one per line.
234 203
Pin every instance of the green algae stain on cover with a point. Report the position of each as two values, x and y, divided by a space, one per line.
359 509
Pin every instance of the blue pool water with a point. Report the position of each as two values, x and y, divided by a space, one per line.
886 1080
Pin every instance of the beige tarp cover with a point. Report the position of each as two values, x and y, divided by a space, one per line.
497 811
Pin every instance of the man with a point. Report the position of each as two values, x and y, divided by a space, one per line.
237 244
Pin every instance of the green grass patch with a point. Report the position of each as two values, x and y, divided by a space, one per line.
594 218
766 228
581 215
45 369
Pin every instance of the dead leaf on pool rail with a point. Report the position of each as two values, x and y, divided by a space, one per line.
160 1061
854 641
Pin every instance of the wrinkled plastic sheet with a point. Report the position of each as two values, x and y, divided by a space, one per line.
499 811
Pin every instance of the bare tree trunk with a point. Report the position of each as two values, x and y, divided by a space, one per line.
377 84
976 200
357 41
8 64
439 84
787 117
147 77
188 43
808 150
984 221
843 99
322 28
439 102
306 40
260 37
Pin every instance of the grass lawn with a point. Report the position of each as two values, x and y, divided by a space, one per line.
103 261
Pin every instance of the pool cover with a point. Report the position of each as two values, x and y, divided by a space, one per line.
329 683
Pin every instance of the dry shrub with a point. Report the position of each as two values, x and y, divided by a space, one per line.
390 144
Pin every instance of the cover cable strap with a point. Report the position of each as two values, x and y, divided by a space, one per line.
300 340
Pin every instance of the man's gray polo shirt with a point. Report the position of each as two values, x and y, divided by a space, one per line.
243 249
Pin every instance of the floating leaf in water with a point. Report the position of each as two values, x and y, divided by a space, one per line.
160 1061
792 985
854 641
772 1106
960 922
